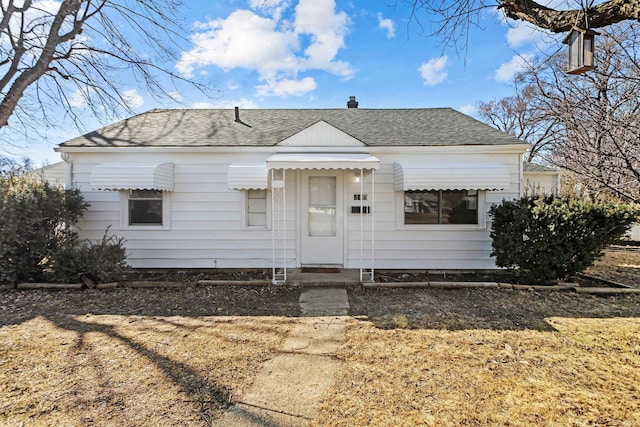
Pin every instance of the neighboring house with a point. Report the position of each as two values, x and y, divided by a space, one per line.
540 179
634 233
350 188
53 173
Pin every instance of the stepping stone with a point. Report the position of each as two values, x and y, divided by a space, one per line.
324 302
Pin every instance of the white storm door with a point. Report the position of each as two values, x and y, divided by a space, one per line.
322 218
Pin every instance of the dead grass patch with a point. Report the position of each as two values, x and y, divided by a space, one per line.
58 367
468 358
621 266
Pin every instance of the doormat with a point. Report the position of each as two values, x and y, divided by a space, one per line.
319 270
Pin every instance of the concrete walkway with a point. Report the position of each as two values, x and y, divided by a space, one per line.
287 390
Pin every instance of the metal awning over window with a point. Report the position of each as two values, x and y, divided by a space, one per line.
450 176
323 161
132 176
247 176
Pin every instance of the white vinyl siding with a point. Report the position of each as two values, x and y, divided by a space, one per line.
208 223
433 246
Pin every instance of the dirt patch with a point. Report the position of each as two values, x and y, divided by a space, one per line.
619 264
191 277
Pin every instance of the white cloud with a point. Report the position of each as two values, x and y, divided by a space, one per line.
176 96
520 34
318 19
387 25
267 4
468 109
508 70
132 98
78 99
242 40
433 71
287 87
277 49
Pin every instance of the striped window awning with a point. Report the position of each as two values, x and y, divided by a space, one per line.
132 176
450 176
247 176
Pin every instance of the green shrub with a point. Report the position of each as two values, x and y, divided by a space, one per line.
35 220
102 261
547 238
37 237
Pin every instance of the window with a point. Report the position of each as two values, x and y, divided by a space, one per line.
145 207
257 208
441 207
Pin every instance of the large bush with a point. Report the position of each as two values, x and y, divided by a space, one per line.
547 237
37 237
35 219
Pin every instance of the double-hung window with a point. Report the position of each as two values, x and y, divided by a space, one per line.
256 208
441 207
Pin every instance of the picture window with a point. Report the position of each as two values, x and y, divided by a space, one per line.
441 207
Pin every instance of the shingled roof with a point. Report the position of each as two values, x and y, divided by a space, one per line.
535 167
373 127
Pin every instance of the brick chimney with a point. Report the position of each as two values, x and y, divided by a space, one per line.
352 102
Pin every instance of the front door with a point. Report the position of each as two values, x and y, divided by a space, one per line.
322 218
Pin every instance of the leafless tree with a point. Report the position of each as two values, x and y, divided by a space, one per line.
58 54
455 18
588 124
523 116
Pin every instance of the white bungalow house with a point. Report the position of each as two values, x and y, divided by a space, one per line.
351 188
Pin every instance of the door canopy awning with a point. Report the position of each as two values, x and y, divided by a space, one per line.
247 176
450 176
132 176
323 161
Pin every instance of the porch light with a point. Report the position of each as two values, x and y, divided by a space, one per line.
580 50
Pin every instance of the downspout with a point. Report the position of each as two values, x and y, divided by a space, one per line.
68 171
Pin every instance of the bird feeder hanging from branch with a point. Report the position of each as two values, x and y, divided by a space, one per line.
581 44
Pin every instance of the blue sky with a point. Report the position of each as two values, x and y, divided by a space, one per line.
317 53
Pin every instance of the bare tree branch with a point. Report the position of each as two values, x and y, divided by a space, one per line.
53 59
587 124
454 19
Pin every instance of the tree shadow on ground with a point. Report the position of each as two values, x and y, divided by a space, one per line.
208 399
169 307
19 306
386 308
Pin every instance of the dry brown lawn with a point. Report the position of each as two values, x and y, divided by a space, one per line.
471 357
489 358
153 367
